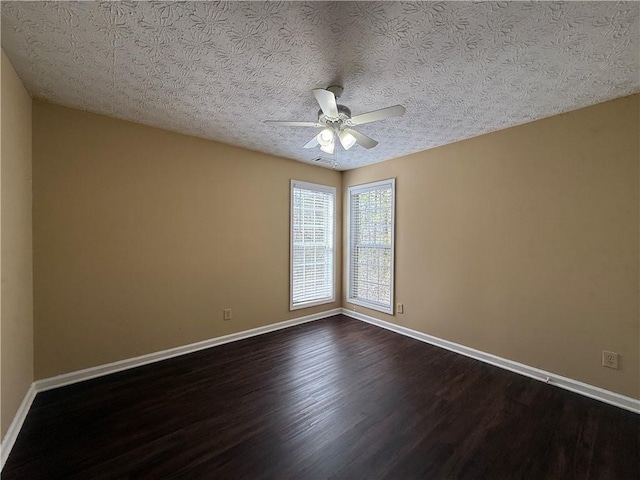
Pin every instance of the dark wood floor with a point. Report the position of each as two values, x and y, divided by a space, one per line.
335 398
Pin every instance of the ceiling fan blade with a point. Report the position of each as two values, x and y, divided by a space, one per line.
327 102
312 143
293 124
395 111
361 138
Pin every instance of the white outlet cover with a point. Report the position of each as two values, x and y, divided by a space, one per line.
610 359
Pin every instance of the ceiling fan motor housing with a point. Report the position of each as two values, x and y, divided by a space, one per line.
344 114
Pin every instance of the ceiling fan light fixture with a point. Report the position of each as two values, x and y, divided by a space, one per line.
347 140
328 148
325 137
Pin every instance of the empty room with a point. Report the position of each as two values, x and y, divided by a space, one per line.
320 240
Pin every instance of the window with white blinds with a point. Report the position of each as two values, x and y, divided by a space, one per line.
312 244
370 243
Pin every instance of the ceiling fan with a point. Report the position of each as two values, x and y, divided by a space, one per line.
336 121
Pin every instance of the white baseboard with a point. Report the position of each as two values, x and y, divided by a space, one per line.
576 386
120 365
16 425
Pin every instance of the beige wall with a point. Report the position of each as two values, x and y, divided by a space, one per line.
524 242
16 311
142 237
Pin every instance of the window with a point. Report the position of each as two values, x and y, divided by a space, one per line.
312 244
370 245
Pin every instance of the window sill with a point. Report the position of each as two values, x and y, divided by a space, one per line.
371 306
315 303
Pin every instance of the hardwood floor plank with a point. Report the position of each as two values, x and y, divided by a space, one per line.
336 398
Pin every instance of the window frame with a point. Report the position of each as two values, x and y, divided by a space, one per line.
363 188
318 188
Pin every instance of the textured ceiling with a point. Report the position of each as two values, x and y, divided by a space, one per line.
218 69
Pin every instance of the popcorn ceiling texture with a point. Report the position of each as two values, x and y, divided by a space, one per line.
217 70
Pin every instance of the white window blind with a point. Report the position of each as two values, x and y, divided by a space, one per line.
312 244
371 245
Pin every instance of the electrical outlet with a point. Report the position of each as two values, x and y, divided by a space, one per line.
610 359
226 314
400 308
